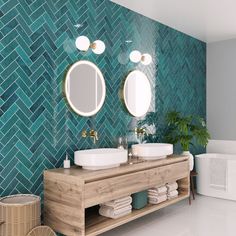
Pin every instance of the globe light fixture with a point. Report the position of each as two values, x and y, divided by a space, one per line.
83 44
135 56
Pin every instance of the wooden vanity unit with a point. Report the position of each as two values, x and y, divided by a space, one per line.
71 194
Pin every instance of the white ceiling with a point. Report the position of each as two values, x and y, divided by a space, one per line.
207 20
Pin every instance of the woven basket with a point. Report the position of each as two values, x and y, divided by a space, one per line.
19 214
42 231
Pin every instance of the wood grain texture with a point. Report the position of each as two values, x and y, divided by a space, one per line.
63 204
97 224
90 176
68 192
116 187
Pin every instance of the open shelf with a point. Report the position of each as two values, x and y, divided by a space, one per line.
97 224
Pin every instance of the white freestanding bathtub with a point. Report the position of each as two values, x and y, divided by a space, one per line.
216 175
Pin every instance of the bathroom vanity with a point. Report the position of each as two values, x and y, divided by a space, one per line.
71 195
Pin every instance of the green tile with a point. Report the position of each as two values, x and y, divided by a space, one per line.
34 55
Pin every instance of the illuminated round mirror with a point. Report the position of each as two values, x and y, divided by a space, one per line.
137 93
85 88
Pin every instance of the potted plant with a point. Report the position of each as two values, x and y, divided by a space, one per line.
184 129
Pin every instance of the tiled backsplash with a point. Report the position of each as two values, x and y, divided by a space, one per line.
37 46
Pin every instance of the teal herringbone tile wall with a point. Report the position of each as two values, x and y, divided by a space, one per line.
36 47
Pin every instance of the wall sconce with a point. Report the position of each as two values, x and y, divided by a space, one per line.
136 56
83 44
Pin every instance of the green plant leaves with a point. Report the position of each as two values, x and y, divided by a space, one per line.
184 129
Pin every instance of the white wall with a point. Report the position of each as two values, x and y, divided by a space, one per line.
221 89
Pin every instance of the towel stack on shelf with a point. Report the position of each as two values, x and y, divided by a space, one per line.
157 195
172 191
116 208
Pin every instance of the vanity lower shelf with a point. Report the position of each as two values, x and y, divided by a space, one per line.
70 194
97 224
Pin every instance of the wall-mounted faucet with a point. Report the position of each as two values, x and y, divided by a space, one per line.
140 132
92 133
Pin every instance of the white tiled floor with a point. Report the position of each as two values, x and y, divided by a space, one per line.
205 217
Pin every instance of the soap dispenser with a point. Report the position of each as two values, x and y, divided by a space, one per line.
66 162
120 143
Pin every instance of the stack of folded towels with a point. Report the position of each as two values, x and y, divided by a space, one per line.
116 208
172 191
157 195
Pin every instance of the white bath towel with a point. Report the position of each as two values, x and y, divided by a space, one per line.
111 213
156 200
172 194
155 194
118 201
158 190
172 186
218 173
117 206
114 216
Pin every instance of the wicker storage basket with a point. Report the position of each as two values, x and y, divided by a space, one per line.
19 214
42 231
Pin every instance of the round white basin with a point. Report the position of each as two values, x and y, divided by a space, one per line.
152 151
102 158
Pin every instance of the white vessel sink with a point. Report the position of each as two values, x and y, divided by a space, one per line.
152 151
103 158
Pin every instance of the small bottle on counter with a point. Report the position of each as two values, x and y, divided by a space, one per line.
120 143
66 163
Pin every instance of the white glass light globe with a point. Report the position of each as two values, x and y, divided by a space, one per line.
135 56
146 59
82 43
99 47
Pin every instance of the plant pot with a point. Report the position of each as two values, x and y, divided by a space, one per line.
191 161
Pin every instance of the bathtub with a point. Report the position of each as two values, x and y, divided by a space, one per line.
216 175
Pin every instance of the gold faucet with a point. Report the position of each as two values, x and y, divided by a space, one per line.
140 131
92 133
84 134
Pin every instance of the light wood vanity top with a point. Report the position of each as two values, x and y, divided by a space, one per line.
138 165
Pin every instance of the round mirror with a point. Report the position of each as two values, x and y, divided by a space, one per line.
137 93
85 88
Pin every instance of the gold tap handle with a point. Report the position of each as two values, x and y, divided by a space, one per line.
140 131
84 134
93 134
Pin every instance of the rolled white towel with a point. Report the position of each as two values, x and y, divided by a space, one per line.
158 190
172 194
109 212
172 186
124 200
156 200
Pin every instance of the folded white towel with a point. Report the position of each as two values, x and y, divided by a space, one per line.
156 200
172 197
156 194
117 206
115 216
118 201
109 212
172 186
158 190
172 194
